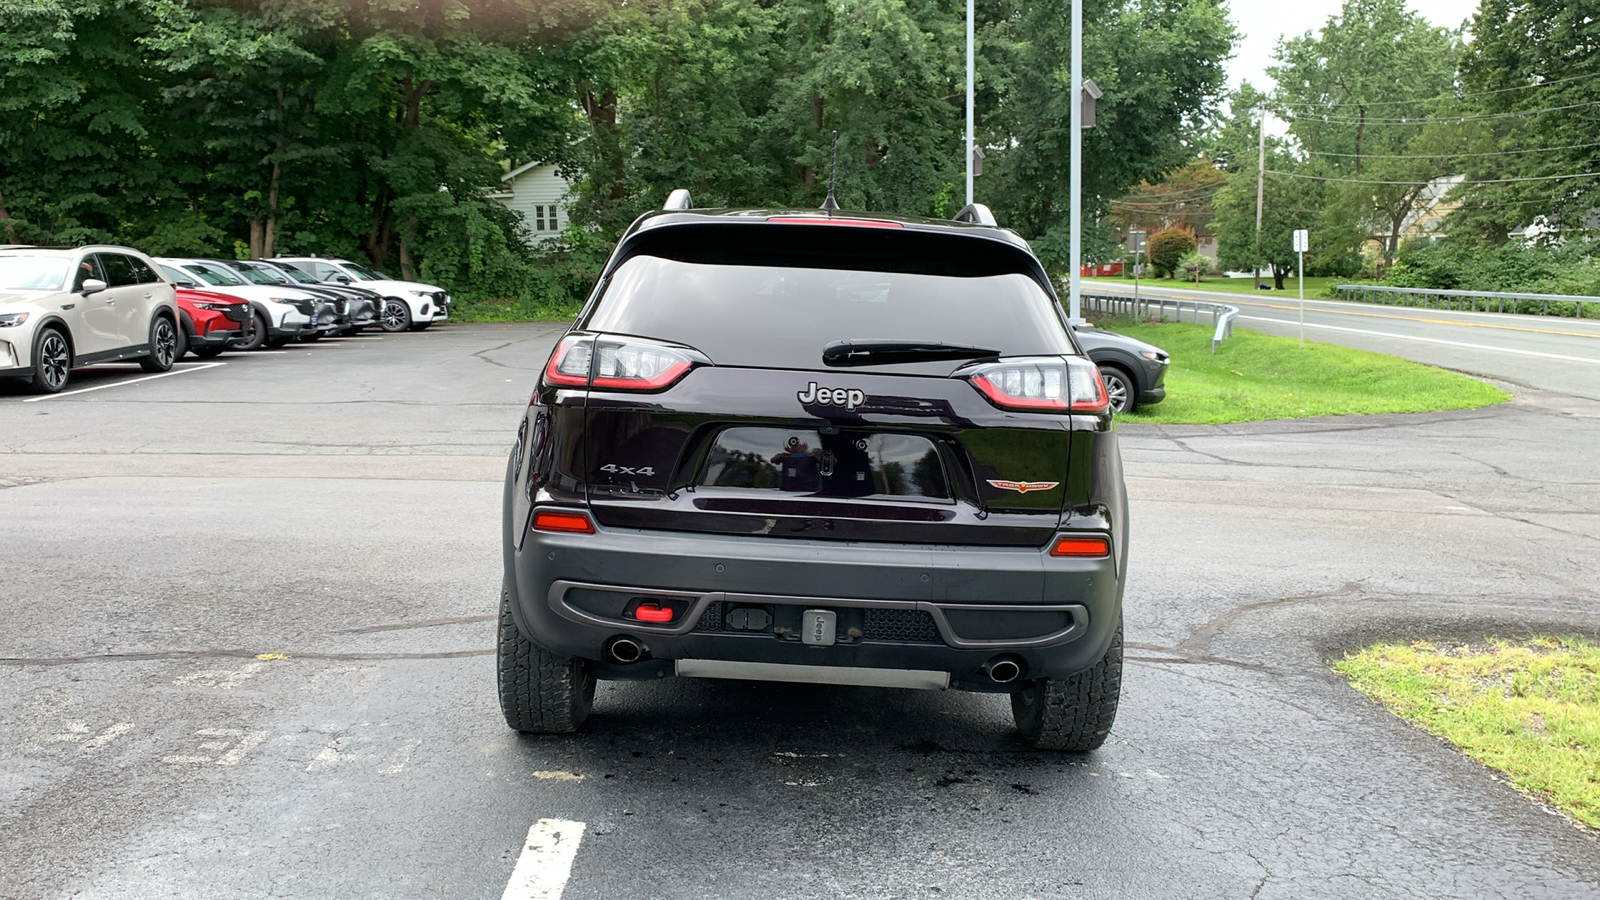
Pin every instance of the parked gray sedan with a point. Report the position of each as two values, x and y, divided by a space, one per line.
1131 369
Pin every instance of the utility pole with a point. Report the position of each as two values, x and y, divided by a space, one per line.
1075 223
1261 177
969 101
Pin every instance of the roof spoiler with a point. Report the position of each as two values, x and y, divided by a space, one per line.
678 199
976 214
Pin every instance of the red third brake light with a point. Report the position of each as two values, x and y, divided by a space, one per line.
562 521
1080 546
828 220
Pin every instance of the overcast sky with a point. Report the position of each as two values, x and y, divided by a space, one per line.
1262 22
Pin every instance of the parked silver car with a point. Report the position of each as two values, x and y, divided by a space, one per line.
60 309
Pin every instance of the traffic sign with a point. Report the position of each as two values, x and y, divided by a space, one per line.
1302 241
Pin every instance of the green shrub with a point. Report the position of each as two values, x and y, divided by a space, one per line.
1167 248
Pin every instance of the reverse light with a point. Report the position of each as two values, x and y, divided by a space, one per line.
1081 546
562 521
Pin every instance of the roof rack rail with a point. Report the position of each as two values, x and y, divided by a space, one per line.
678 199
975 214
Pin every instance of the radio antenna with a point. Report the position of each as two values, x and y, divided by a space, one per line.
829 205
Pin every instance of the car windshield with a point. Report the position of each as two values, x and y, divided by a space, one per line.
800 311
365 274
33 273
295 274
212 274
256 272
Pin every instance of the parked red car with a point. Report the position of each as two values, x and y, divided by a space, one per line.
212 321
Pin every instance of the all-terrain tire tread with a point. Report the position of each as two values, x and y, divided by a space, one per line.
540 692
1074 714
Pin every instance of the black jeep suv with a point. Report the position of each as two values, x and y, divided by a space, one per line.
839 449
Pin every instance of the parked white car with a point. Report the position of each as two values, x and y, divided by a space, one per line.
282 313
406 304
60 309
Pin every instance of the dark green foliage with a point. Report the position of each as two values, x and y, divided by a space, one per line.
1167 249
376 130
1572 267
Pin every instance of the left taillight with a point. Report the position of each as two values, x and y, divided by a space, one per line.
619 364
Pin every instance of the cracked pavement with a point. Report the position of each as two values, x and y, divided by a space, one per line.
247 635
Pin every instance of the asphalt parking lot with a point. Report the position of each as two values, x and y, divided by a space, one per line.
246 631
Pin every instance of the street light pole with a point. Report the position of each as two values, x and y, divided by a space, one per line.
1075 220
969 102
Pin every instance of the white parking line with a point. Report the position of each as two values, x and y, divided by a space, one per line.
1427 340
546 861
100 387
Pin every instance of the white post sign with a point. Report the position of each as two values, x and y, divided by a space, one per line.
1302 243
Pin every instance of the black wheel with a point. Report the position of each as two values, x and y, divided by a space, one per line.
255 333
183 343
396 315
1119 388
1072 714
52 361
163 346
540 692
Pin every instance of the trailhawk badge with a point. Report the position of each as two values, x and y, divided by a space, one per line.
1022 487
849 399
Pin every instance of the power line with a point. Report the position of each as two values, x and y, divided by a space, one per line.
1333 104
1426 119
1414 183
1451 155
1181 193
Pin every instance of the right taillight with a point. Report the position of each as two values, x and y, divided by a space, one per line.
1042 384
619 364
1081 546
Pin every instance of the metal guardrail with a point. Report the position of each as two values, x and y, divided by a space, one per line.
1473 301
1222 315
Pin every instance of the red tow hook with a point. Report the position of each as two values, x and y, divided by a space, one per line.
650 612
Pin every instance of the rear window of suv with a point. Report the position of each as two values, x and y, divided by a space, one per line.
783 316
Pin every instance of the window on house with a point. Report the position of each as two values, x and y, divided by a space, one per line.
538 218
553 225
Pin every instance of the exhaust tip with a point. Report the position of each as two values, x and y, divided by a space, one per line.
1003 670
624 650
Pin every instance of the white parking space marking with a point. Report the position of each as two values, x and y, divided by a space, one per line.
546 861
108 735
237 743
188 367
326 759
402 758
227 679
1427 340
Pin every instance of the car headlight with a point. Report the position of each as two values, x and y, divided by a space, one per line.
9 320
421 293
213 306
1155 355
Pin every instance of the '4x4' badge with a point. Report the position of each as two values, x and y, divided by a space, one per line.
1022 487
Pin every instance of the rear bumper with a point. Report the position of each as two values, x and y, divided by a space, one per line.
924 608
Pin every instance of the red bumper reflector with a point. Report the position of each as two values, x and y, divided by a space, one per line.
569 522
649 612
1076 545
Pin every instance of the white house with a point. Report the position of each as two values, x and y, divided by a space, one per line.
539 195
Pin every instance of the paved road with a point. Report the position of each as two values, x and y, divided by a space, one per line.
338 505
1550 354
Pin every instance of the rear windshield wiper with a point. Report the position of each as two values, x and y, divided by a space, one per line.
875 352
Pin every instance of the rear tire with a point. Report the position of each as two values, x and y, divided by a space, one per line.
540 692
395 316
163 346
52 361
1120 389
1072 714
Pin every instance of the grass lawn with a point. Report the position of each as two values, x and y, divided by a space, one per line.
1254 376
1316 288
1530 709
